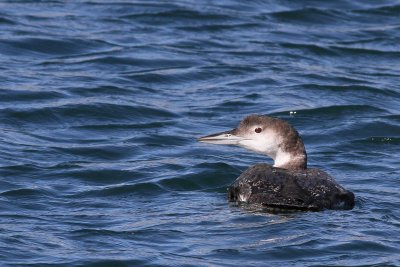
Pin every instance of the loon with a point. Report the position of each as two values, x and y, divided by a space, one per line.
288 184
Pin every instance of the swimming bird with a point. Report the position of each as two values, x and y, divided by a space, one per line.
288 184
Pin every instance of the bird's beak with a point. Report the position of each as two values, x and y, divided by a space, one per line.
223 138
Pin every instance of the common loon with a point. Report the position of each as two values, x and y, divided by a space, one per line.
288 184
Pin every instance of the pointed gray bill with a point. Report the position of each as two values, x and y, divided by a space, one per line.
223 138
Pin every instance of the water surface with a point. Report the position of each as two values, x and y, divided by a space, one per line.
101 103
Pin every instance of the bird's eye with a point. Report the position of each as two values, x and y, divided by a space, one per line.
258 130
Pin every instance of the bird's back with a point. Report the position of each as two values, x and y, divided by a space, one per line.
309 189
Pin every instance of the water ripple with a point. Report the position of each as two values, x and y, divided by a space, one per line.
101 104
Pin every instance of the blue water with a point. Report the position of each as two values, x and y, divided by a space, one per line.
101 103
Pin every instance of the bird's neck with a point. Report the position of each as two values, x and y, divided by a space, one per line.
290 153
290 161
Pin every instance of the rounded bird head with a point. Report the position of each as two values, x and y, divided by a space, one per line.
270 136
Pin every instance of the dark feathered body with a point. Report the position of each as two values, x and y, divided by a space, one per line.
307 189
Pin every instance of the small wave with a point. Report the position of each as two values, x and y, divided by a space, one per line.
357 89
179 75
27 192
313 48
177 16
103 176
19 169
51 46
83 113
138 62
93 261
310 15
219 27
378 140
337 50
362 245
4 20
160 140
336 110
231 105
371 128
206 176
389 10
392 117
7 95
98 90
125 126
220 45
235 103
97 152
345 50
120 190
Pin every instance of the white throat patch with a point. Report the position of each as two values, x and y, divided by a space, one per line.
266 143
